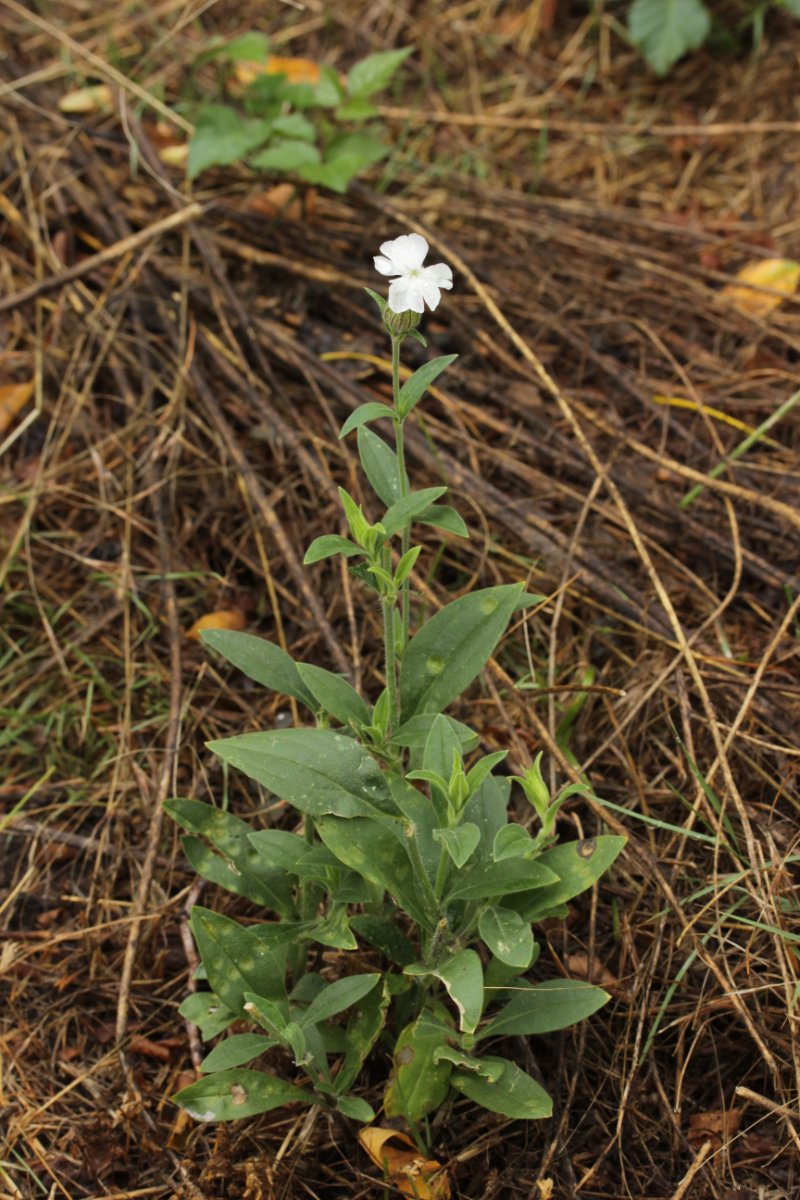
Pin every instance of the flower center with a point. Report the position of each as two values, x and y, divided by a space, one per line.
414 273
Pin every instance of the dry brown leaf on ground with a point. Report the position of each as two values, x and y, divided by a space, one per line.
282 200
13 398
717 1127
226 618
583 966
403 1165
296 70
90 99
782 275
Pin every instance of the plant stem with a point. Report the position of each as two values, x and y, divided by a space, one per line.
390 657
401 464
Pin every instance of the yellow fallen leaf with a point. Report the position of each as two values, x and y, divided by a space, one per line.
403 1165
174 156
87 99
296 70
13 397
227 618
781 275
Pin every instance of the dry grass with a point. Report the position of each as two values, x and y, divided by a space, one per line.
183 453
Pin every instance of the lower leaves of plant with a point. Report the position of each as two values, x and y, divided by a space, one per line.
398 862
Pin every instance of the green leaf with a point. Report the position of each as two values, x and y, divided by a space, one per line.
316 770
374 72
485 880
260 660
334 930
514 1094
554 1004
512 841
289 852
453 647
664 30
462 975
459 842
578 865
208 1013
488 809
266 887
508 936
338 996
442 748
292 125
329 91
406 565
363 1030
414 733
408 508
235 1051
414 388
442 516
222 136
335 695
229 1095
273 1015
364 414
355 1108
491 1069
356 110
236 960
385 937
337 173
239 870
483 769
380 465
248 47
418 1084
329 544
379 301
287 154
422 817
378 852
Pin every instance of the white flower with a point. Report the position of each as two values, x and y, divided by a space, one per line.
404 257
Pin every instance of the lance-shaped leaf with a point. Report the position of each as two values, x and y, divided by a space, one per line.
384 936
363 1031
377 851
229 1095
236 960
513 1094
543 1007
414 388
208 1013
488 809
462 975
380 465
243 872
453 647
338 996
578 865
418 1083
414 733
335 695
316 770
408 508
329 544
485 880
260 660
444 516
235 1051
364 414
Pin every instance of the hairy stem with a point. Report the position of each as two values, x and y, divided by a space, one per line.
401 463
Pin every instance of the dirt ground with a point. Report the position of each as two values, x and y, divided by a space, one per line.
192 356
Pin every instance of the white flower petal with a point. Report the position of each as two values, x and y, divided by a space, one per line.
405 294
430 292
440 274
408 250
385 266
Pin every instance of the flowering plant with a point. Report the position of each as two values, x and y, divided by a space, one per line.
401 856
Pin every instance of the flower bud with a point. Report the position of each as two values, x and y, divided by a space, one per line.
402 323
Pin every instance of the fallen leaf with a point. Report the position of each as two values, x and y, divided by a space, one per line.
13 397
227 618
581 966
283 200
403 1165
87 99
782 275
296 70
717 1126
